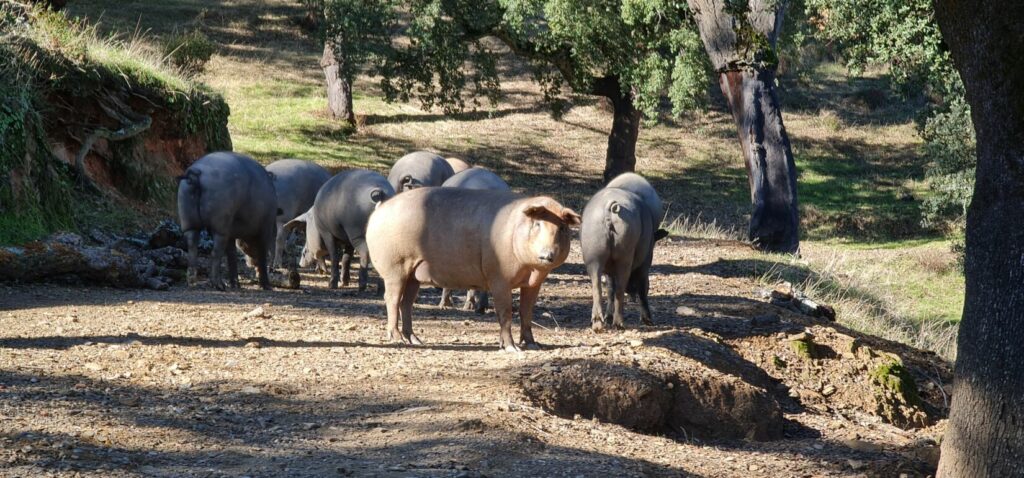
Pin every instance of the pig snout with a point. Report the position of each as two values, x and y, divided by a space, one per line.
547 255
307 259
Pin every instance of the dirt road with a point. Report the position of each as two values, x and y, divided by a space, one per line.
106 382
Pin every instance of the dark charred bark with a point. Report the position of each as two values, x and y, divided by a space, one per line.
739 38
621 154
986 428
771 172
339 87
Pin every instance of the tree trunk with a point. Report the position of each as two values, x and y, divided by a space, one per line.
741 45
621 154
986 427
339 87
771 173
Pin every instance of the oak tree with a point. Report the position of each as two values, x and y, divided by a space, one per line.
985 436
740 38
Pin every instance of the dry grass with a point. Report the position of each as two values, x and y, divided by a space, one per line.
910 294
698 228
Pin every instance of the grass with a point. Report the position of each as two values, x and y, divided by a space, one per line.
856 148
910 294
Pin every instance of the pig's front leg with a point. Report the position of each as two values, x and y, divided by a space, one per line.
527 299
503 309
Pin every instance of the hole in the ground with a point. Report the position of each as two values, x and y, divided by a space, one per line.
690 406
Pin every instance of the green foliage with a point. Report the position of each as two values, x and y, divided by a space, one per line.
951 147
189 52
650 47
359 31
446 62
903 36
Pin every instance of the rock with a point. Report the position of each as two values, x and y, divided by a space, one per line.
686 311
828 390
92 366
168 233
157 283
801 336
258 313
765 320
861 445
252 344
856 465
804 348
636 343
249 390
896 397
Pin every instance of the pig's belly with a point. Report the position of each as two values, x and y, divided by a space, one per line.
450 277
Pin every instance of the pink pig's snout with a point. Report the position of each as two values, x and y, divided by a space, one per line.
547 255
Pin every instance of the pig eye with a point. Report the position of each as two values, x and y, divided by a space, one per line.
536 225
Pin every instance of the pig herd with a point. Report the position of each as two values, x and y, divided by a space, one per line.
432 221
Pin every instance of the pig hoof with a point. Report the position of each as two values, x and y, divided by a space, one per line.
511 348
413 340
646 321
529 346
597 326
619 326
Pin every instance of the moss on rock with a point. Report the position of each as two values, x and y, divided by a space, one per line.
896 396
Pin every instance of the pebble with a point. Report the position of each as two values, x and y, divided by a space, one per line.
686 311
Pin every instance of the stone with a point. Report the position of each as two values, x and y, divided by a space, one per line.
765 320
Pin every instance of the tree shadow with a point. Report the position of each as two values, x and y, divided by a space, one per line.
263 431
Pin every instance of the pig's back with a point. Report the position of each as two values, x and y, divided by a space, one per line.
442 224
296 183
477 178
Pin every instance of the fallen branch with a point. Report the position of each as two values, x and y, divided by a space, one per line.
124 133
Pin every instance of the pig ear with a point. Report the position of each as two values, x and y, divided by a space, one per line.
298 222
570 217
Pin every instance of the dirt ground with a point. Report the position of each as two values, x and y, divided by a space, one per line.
106 382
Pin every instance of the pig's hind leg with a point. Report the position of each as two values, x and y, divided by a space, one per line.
364 265
232 256
617 296
220 245
446 299
409 292
332 247
192 239
596 316
346 267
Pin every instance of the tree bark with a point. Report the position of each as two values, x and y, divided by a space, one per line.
339 87
741 46
771 172
986 428
621 154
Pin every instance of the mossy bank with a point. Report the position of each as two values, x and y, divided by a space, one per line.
62 85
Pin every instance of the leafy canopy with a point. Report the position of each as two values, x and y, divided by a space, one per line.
903 35
648 47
